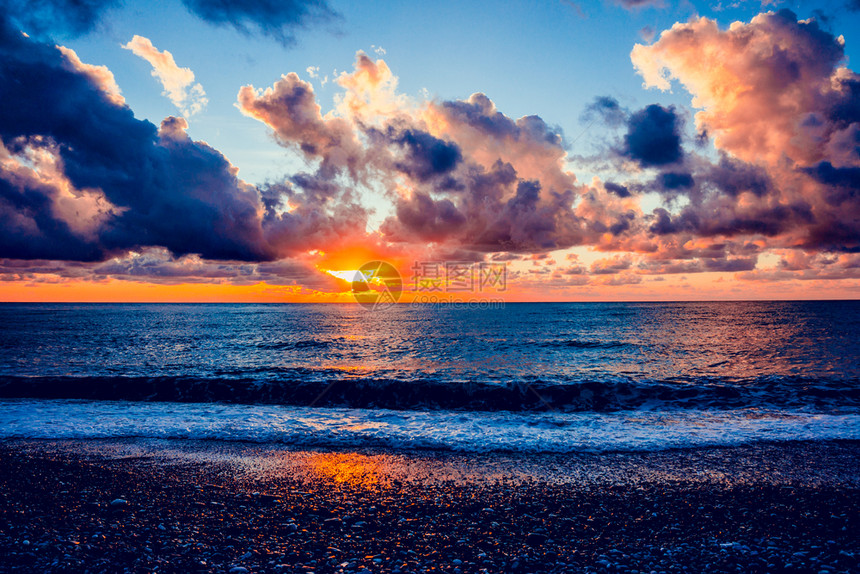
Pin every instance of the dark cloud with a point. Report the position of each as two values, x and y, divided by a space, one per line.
157 265
840 230
47 17
623 222
426 156
712 219
154 182
309 212
480 113
844 109
29 231
428 219
708 184
653 136
734 177
787 168
619 190
612 265
786 172
843 184
835 236
844 146
526 222
607 109
665 224
495 211
465 178
512 193
139 186
731 265
278 19
672 180
716 261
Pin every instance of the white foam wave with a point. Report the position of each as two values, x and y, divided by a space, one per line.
442 430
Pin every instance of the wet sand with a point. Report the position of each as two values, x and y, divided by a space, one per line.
182 506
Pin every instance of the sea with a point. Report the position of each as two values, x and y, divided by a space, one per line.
514 377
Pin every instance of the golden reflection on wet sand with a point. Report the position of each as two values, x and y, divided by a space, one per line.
349 469
359 471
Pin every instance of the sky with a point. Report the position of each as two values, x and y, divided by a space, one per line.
198 150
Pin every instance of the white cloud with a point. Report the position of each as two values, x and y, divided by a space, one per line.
178 83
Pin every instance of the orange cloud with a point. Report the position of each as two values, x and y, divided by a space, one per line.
763 88
453 180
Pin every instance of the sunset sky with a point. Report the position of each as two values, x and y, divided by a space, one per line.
188 150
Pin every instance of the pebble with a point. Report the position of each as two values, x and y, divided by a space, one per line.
535 538
423 527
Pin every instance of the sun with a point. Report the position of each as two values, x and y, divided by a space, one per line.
348 275
347 264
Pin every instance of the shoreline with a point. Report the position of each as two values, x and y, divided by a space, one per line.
200 507
827 463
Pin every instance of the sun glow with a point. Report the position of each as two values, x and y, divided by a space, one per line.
346 264
349 275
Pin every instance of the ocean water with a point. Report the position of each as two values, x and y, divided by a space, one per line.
521 378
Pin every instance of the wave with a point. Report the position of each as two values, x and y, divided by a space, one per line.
436 430
325 388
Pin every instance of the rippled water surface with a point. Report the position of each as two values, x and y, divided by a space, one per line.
569 376
770 351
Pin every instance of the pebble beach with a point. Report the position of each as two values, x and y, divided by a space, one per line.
174 506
